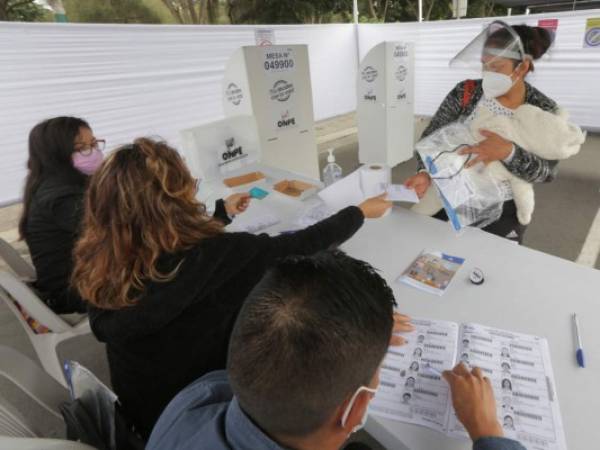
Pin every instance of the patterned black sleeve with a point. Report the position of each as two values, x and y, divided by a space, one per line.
527 165
449 111
531 167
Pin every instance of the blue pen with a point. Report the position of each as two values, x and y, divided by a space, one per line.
579 352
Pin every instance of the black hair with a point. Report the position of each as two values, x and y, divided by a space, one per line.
51 144
309 335
536 40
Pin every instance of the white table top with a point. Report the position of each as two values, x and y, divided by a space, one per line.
524 290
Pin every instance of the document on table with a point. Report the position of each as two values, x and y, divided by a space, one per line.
254 224
312 215
518 366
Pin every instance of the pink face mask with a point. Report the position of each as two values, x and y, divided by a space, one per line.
88 164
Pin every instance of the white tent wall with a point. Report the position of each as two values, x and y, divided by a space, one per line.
569 73
134 80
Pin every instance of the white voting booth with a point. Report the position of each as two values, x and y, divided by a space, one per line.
385 104
267 138
273 84
269 122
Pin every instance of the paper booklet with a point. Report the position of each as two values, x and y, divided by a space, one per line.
432 271
518 366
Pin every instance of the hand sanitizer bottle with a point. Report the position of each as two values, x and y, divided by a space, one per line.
332 171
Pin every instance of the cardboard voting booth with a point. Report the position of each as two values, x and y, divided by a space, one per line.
385 104
273 85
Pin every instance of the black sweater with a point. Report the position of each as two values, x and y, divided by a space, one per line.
179 330
53 220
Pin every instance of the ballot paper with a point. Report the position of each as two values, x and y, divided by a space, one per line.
312 215
518 366
258 223
400 193
432 271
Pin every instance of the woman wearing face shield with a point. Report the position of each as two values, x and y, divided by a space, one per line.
505 55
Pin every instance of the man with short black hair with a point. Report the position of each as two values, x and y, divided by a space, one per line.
303 364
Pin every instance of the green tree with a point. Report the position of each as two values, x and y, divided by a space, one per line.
194 11
110 11
21 10
280 12
485 8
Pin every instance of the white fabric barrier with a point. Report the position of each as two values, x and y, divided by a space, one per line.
569 74
134 80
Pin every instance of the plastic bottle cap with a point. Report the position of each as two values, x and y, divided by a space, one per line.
476 276
330 158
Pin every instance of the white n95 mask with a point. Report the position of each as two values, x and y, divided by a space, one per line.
496 84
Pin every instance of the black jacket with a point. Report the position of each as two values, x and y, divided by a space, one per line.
53 220
180 330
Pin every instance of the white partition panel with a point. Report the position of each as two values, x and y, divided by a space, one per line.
134 80
569 73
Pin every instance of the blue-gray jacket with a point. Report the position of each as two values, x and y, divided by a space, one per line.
207 416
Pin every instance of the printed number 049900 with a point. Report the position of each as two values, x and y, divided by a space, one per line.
279 64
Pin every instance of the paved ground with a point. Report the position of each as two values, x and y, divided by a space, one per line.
565 211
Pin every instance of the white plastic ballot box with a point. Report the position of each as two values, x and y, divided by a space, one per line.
273 85
215 149
385 104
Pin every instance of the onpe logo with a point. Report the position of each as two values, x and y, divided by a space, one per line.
286 120
232 151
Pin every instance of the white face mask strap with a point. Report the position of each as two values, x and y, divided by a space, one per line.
352 400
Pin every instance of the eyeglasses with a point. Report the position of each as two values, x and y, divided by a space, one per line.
458 147
99 145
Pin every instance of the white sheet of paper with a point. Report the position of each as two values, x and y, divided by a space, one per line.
345 192
260 223
400 193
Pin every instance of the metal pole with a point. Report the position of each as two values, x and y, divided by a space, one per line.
420 10
509 12
356 36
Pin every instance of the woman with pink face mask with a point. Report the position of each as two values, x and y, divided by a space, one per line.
63 153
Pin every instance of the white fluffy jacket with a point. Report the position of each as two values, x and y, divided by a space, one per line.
549 136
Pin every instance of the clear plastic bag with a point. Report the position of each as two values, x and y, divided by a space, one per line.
471 197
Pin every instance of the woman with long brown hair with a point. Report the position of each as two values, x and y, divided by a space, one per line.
164 281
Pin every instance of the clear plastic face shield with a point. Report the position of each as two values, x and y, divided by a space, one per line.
495 49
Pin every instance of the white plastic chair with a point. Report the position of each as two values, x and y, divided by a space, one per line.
45 344
16 262
14 443
16 432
